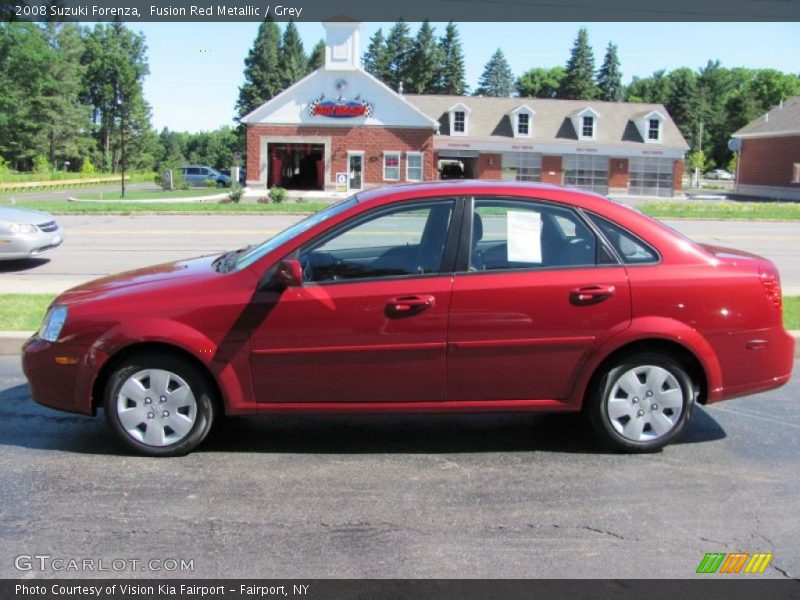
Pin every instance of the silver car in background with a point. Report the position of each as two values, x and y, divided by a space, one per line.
25 233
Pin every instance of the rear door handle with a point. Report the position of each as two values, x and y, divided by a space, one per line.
591 294
406 306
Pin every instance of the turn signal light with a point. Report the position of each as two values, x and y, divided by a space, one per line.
66 360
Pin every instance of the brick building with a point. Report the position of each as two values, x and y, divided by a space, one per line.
341 123
769 154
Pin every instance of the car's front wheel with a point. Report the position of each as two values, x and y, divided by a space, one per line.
641 402
159 405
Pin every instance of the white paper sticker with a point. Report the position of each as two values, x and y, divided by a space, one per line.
524 230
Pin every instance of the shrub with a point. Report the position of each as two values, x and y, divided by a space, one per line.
277 194
4 168
236 193
41 165
87 166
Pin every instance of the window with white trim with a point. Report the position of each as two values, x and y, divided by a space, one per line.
796 173
587 127
413 166
391 166
654 130
523 124
459 121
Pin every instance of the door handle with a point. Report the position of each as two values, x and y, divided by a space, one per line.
406 306
591 294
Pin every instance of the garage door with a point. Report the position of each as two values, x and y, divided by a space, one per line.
650 177
587 172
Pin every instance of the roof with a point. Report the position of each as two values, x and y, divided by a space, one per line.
784 119
489 121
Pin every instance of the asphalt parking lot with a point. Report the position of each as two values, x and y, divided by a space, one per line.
422 496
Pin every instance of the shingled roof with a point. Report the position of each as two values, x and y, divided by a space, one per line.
784 119
489 120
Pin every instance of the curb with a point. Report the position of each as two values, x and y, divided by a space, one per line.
11 342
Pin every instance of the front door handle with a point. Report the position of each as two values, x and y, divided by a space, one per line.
407 306
591 294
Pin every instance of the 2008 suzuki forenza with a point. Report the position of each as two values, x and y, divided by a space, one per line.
443 297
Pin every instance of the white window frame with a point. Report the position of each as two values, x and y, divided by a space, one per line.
386 154
582 135
421 156
455 122
660 128
796 172
517 132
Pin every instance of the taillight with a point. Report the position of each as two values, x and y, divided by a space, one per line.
771 283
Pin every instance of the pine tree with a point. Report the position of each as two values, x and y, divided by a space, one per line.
376 58
451 79
293 60
262 80
497 78
609 79
398 48
578 82
317 57
425 61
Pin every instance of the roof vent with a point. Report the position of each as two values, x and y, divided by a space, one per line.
400 88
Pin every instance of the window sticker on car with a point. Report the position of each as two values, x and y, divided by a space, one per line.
524 230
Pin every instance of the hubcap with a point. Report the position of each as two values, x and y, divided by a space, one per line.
177 408
645 421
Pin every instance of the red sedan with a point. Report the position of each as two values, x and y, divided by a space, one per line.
458 296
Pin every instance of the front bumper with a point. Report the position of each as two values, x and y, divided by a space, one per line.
16 246
63 387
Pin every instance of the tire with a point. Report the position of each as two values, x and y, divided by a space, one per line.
641 403
159 405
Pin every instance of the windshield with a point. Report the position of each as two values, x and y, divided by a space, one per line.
252 255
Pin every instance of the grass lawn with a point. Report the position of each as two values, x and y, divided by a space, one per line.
153 194
24 312
115 208
701 209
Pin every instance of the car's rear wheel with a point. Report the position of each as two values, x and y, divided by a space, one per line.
159 405
641 402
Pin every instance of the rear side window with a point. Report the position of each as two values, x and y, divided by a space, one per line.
631 249
524 235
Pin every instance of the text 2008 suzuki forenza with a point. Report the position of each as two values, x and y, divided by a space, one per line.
444 297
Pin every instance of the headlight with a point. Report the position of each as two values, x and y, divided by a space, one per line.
53 323
17 228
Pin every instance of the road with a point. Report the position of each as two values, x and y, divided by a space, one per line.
424 496
101 245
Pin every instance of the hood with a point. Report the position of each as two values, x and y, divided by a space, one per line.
23 216
167 274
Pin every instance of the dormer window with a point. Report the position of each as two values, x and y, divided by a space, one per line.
521 121
587 127
459 119
585 123
654 130
650 125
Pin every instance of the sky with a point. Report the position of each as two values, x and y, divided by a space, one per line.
196 68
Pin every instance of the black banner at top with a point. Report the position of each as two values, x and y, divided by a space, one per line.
133 11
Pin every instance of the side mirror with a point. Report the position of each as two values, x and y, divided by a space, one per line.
289 273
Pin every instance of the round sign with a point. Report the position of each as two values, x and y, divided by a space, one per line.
341 178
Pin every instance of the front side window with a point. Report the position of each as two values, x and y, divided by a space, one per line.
414 166
587 130
654 130
407 240
391 166
523 235
523 122
459 121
